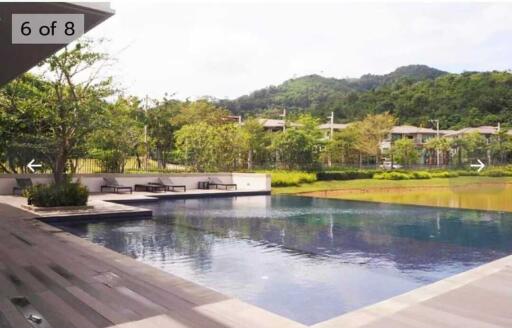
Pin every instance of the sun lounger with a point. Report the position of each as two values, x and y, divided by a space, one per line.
216 183
168 184
112 184
150 187
22 184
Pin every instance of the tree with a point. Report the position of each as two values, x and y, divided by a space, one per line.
73 105
22 116
374 130
404 152
501 146
207 147
343 147
309 125
294 148
439 144
256 140
192 112
162 127
119 136
474 146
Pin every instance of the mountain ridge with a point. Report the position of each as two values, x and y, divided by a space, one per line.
311 90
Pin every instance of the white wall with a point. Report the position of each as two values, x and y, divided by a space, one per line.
254 181
244 181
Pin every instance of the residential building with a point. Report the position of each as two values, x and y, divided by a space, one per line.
486 131
326 128
275 125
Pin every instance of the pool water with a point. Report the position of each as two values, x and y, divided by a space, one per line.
304 258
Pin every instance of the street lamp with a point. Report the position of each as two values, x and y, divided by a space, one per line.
437 133
331 123
331 117
284 119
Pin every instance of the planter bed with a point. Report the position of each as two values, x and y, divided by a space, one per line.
56 208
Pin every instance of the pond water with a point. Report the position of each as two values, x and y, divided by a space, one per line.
490 197
304 258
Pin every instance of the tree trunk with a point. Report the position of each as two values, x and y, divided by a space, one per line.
249 160
460 156
59 173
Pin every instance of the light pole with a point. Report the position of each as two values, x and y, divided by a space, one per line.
438 155
331 117
146 130
331 123
284 119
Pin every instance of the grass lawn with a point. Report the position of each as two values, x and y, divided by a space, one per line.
480 193
368 184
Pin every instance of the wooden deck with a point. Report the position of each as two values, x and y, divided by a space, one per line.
70 282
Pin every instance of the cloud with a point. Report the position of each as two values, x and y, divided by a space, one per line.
227 49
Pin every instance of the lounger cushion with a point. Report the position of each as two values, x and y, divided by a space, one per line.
111 181
165 181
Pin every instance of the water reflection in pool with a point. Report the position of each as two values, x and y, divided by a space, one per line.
304 258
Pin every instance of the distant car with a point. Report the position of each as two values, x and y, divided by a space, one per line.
387 165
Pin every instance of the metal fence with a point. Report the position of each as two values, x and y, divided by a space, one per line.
147 165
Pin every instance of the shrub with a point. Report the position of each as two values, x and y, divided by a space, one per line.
444 174
467 173
421 175
291 178
392 176
346 175
497 173
67 194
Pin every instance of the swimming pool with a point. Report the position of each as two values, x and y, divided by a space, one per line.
304 258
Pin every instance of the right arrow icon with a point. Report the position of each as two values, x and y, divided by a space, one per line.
480 165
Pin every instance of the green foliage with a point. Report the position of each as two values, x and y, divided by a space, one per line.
204 111
258 142
319 95
53 115
66 194
416 175
392 176
445 174
421 175
457 100
346 175
373 130
161 128
344 148
206 147
497 172
295 149
404 152
118 136
291 178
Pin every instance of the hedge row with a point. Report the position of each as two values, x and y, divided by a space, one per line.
291 178
346 175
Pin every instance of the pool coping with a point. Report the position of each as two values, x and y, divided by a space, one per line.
353 319
118 206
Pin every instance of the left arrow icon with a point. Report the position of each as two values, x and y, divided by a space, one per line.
31 165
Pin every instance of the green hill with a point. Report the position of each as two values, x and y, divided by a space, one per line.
415 94
314 92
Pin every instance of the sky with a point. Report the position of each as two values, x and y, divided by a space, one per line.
226 50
